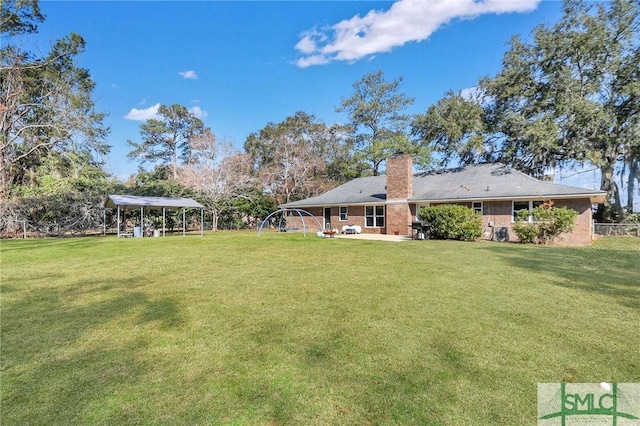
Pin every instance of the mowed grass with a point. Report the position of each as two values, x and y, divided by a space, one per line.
232 328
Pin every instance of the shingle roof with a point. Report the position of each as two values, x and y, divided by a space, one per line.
367 190
488 181
479 182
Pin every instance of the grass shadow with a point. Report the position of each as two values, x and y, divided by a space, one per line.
62 353
86 242
608 272
165 311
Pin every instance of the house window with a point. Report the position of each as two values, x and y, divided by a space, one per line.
524 205
374 216
477 206
344 214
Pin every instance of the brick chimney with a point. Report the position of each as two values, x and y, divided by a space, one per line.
399 188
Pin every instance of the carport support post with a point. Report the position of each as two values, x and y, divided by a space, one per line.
118 221
163 224
184 224
202 223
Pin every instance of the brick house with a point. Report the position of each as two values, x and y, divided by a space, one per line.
388 204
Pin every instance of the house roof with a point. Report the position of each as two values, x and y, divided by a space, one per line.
490 181
114 201
479 182
366 190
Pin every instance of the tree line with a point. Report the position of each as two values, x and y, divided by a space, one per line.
570 95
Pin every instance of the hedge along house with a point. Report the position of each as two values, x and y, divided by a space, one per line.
389 204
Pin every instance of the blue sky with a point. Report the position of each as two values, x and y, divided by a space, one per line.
239 65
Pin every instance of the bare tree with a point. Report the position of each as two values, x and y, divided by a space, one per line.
295 173
218 172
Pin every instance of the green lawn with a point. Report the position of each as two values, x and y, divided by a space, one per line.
232 328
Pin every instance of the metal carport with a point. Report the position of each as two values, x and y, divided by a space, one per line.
154 203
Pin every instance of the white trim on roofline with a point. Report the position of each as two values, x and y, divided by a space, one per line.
595 198
341 204
397 201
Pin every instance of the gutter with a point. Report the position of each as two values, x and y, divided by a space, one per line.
598 198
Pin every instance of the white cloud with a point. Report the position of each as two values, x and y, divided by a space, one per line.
312 60
380 31
470 93
198 112
474 93
308 43
189 75
152 113
143 114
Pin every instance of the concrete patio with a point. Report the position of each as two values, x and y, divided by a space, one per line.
374 237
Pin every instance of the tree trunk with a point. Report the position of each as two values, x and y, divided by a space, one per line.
214 219
4 178
174 165
632 189
376 167
608 184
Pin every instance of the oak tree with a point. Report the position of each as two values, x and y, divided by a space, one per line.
46 105
301 156
572 94
455 127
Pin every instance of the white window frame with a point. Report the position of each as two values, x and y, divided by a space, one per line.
379 219
345 215
531 204
478 206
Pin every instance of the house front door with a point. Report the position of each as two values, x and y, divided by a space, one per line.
327 218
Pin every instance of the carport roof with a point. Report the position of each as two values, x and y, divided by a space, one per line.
113 201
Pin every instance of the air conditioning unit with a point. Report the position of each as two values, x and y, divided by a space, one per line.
500 233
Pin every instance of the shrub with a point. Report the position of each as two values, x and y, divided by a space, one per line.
632 218
527 232
452 222
547 223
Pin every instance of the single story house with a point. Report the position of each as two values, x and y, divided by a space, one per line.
389 204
